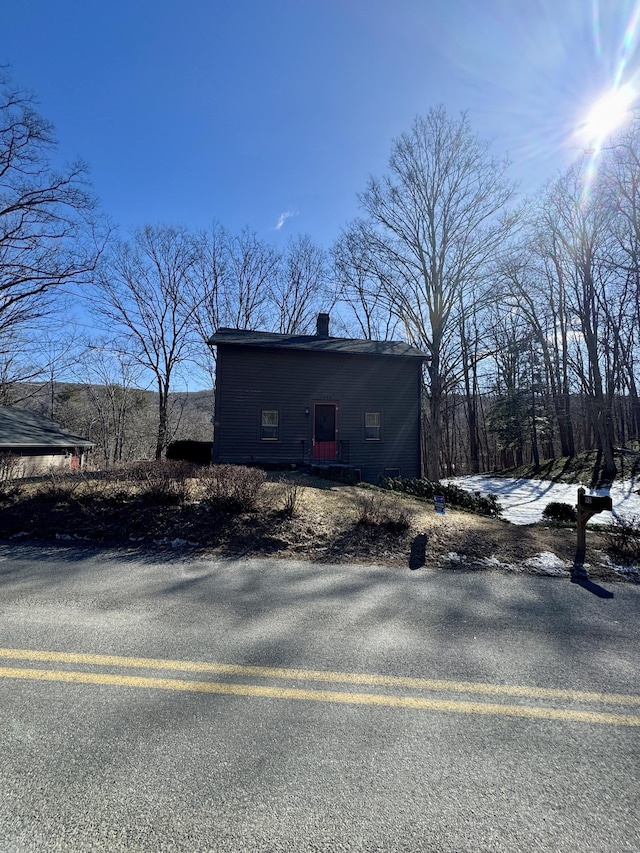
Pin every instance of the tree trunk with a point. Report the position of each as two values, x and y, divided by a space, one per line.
472 415
163 422
603 417
435 426
534 432
635 412
565 425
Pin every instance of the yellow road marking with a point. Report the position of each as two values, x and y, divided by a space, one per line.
319 675
412 702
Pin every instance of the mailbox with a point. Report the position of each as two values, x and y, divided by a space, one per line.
594 503
588 505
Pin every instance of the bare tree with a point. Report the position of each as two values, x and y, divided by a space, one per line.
434 221
531 283
17 365
251 268
300 288
207 293
231 284
143 294
359 286
579 225
114 403
621 189
48 233
36 353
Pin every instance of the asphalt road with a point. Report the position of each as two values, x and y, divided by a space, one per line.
172 704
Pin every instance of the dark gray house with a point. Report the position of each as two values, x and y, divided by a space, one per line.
38 444
318 400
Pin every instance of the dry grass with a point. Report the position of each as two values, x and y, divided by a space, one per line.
294 516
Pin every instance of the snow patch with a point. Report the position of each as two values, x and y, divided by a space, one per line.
494 563
174 543
523 501
453 557
547 563
629 572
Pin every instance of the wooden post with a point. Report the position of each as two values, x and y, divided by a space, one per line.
583 516
588 505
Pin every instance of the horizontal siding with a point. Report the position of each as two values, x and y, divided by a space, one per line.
251 380
32 466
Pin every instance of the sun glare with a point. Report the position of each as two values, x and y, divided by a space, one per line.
607 115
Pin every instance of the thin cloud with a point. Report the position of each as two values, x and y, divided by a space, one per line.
283 218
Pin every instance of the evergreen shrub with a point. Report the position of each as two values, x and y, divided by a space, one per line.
454 495
558 511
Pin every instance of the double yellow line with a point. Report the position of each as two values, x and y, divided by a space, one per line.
391 700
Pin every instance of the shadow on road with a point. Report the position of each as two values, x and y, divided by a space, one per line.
580 576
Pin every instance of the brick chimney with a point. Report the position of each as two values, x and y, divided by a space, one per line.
322 327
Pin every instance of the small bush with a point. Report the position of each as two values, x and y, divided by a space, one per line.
98 493
454 495
60 486
367 506
231 488
11 486
113 492
558 511
373 512
161 482
623 540
290 492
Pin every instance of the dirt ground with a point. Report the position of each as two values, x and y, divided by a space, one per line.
330 523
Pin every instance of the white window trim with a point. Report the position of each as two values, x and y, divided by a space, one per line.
377 426
270 426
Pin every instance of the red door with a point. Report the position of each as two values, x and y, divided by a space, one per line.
325 445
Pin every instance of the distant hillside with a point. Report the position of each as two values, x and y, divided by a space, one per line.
121 421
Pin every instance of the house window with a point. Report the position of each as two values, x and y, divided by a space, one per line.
372 426
270 423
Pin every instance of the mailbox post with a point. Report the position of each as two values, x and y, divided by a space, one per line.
588 505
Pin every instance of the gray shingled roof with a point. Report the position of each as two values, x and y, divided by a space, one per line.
23 428
314 343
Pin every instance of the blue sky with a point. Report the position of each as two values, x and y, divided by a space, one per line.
260 112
